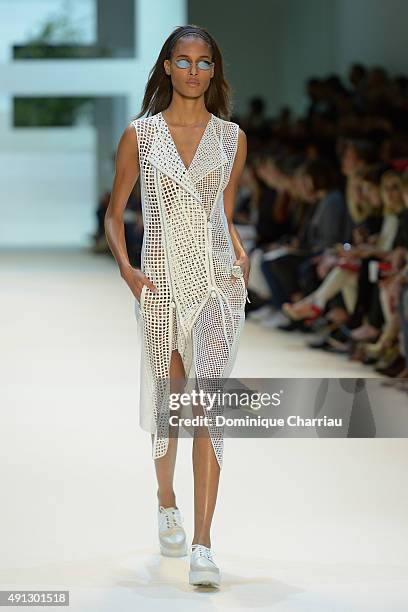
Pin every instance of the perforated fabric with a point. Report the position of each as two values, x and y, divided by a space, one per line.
188 254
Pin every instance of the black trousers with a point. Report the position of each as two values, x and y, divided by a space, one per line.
368 299
294 272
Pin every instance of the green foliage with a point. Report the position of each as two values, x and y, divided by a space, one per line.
56 111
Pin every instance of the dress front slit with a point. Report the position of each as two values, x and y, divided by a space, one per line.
187 253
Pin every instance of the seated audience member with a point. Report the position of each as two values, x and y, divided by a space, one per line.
344 276
325 226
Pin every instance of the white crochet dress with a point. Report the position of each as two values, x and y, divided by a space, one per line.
188 254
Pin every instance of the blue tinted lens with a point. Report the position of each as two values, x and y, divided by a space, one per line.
182 63
204 65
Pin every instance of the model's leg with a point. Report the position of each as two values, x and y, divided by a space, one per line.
165 465
206 471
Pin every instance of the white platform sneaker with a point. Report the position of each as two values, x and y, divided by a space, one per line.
172 536
203 570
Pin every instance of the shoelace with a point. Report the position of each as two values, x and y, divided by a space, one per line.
172 516
203 551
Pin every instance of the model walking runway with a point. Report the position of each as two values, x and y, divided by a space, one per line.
188 254
191 288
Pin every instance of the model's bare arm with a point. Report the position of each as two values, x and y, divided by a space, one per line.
230 194
126 174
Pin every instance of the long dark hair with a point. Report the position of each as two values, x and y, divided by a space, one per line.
159 90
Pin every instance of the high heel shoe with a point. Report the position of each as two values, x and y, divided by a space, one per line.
172 537
203 570
306 311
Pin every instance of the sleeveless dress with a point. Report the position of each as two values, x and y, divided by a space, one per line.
187 252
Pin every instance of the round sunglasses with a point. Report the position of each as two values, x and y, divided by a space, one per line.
201 64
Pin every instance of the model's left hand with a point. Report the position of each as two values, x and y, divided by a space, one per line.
244 263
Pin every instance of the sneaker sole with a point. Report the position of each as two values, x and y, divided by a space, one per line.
173 552
204 578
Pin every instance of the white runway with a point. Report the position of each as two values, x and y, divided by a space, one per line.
300 524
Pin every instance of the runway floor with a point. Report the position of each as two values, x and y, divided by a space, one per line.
315 524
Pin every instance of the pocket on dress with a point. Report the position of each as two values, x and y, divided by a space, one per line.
244 289
139 303
238 293
142 296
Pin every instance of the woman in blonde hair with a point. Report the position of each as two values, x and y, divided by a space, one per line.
390 284
398 288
